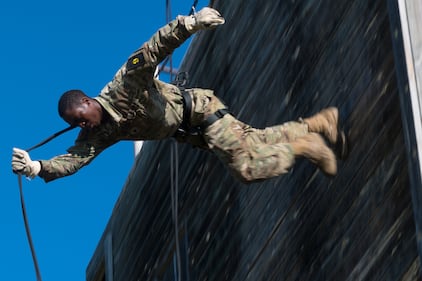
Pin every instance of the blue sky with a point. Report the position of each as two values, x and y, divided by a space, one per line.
48 47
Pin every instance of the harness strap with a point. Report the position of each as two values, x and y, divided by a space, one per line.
187 110
214 117
185 127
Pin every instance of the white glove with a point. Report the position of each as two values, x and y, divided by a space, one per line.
207 18
23 165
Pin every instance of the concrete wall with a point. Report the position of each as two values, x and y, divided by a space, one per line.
274 61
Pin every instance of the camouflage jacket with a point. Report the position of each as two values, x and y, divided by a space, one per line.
140 106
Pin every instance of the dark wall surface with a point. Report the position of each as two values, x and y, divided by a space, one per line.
275 61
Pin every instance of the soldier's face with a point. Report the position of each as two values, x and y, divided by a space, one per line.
87 115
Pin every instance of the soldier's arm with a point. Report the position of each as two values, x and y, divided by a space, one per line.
78 156
171 36
159 46
63 165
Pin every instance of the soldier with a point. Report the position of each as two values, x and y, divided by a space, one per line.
136 106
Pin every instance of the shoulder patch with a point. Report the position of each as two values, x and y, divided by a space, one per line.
135 61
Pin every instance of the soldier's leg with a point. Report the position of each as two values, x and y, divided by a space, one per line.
303 143
324 122
312 146
242 148
238 145
286 132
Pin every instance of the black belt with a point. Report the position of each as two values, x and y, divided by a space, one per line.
187 110
185 127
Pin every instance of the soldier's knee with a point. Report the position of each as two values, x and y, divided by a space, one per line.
244 175
255 171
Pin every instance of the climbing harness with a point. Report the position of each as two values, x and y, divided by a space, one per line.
24 214
185 127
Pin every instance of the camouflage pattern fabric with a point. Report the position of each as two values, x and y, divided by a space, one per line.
254 154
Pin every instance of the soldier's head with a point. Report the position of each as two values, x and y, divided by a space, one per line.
77 109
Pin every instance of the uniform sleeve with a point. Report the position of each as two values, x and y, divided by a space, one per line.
159 46
78 156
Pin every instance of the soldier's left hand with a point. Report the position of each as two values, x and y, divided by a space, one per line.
23 165
207 18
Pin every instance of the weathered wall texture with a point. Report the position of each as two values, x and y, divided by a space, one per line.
274 61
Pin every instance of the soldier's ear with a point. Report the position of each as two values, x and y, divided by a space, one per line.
85 100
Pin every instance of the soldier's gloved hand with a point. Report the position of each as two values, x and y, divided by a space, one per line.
207 18
23 165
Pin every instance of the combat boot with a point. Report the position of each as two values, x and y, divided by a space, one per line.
312 146
326 123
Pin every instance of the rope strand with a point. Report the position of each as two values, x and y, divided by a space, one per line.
28 231
22 199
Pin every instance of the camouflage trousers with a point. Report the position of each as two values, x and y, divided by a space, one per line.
254 154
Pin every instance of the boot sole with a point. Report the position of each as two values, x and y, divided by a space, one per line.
332 114
341 148
327 156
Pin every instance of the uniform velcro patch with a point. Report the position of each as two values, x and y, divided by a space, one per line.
135 61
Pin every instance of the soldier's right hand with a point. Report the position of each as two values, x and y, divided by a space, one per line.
207 18
23 165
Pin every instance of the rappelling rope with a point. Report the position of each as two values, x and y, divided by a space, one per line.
168 17
174 176
174 162
24 214
28 231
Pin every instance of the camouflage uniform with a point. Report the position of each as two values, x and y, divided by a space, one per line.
254 154
144 108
